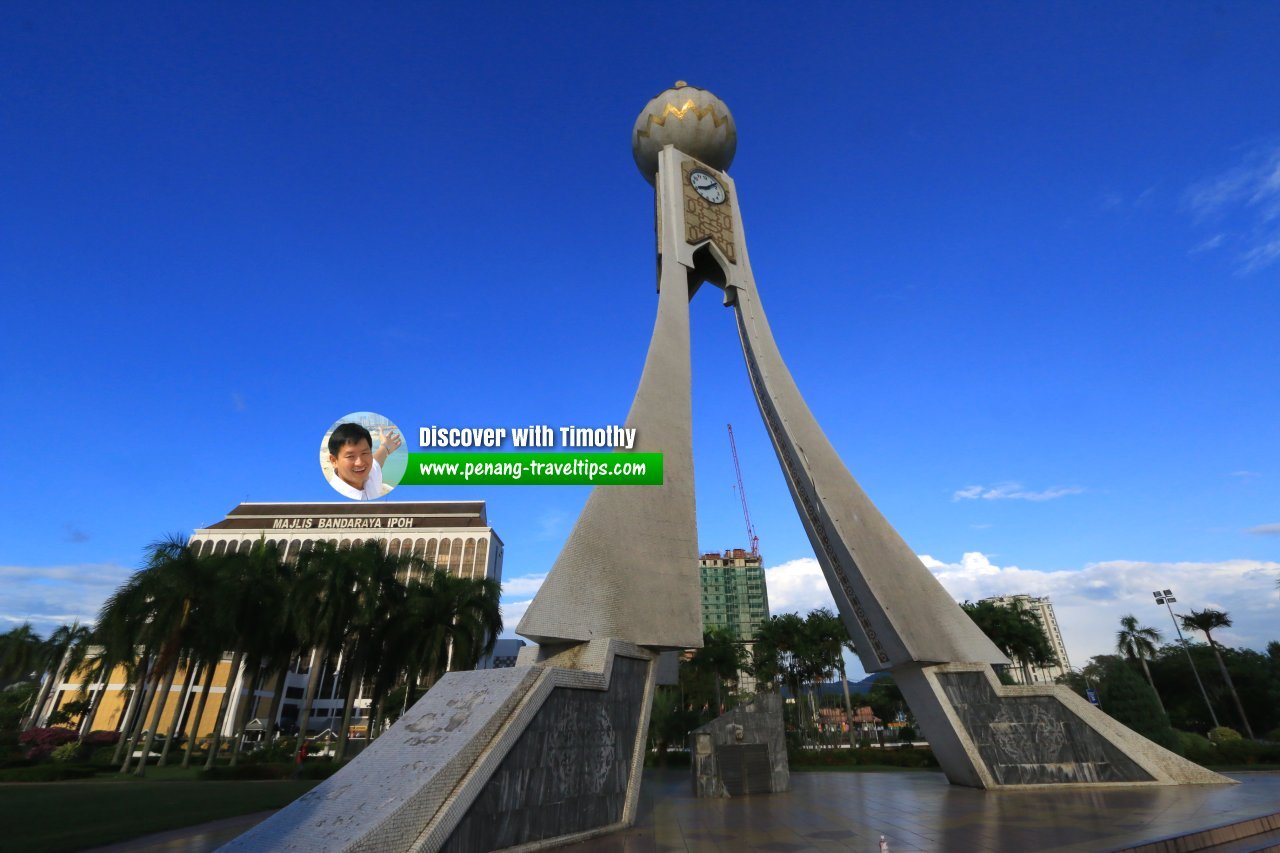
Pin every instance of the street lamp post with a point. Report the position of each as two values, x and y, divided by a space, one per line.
1166 598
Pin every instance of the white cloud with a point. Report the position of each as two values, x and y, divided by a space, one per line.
524 587
1246 197
1212 243
1010 491
49 596
522 590
1266 529
512 613
1088 601
797 587
1245 475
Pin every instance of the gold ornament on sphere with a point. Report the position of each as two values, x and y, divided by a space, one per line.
693 120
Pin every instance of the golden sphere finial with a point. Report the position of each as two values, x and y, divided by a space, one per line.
695 121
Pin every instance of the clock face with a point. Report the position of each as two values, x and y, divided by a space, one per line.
707 186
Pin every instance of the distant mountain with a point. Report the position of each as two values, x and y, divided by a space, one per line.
832 688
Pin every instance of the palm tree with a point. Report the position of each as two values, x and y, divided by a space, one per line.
63 653
184 695
236 604
328 575
819 654
449 623
178 587
378 599
830 633
1140 643
777 653
1208 620
20 653
718 660
21 658
116 634
268 626
122 632
1015 631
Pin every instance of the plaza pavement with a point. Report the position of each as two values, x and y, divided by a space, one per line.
915 811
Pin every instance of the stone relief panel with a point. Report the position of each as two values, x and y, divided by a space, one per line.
1033 740
568 771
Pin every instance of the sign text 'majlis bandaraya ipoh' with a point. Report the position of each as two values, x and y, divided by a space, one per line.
339 523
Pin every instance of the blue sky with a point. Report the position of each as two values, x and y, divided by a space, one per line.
1023 261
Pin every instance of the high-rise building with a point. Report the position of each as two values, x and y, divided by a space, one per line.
733 592
1042 608
734 597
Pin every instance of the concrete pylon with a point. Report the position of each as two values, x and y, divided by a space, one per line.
900 617
629 569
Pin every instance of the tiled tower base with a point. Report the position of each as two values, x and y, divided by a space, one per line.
546 752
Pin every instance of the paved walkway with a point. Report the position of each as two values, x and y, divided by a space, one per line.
850 811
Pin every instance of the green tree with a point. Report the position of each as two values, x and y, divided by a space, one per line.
777 651
1206 621
1139 643
1127 699
822 650
269 622
175 588
330 581
63 653
117 634
21 654
830 633
669 721
1181 694
719 660
1015 631
380 600
449 623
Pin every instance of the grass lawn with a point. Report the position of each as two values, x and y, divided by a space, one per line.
74 815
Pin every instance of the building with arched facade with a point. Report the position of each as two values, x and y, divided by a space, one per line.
451 535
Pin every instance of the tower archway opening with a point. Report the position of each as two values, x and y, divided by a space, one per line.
708 265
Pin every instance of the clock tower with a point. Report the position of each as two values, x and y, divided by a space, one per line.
899 616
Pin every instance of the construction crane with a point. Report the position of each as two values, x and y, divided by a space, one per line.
742 494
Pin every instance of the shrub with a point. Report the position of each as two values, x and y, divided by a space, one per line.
103 756
224 773
40 742
69 751
1127 698
320 769
279 750
1223 734
101 738
1274 735
1197 748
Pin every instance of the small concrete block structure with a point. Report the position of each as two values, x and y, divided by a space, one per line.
742 752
